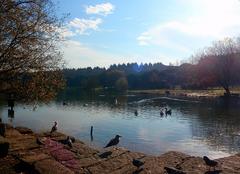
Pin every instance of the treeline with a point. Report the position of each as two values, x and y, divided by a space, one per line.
130 76
214 66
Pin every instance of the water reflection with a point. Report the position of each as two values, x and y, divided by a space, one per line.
194 128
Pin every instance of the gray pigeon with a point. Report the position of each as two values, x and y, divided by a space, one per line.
113 141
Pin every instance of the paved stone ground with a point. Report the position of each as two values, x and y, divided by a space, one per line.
27 156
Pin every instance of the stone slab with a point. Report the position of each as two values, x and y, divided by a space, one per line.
50 166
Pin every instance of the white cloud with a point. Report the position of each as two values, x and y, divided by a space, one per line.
101 9
65 32
79 55
81 26
212 20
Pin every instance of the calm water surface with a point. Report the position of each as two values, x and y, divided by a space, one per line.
193 128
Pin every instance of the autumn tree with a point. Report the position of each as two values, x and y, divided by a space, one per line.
30 61
121 84
219 65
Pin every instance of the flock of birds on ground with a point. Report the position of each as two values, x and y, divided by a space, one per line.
138 163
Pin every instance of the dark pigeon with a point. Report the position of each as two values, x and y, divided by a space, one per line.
168 111
137 163
54 128
161 113
210 163
105 154
69 141
113 141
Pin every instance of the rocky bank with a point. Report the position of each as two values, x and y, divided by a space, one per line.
27 155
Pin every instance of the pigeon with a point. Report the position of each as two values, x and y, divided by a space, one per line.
137 163
54 128
210 163
39 142
69 142
105 154
113 141
172 170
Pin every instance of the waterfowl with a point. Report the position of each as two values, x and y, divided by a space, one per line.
54 128
136 112
39 141
161 113
105 154
137 163
210 163
113 141
168 111
69 142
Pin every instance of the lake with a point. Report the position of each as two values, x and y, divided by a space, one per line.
194 128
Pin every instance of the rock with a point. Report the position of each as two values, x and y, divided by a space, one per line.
24 130
115 163
31 157
172 170
4 146
7 165
50 166
8 126
12 133
26 156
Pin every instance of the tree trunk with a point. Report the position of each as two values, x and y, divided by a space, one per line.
227 92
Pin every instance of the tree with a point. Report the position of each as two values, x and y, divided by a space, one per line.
121 84
220 64
110 77
30 61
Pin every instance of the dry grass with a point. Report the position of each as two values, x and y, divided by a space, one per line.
209 92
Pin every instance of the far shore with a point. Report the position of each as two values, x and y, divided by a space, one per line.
208 95
212 92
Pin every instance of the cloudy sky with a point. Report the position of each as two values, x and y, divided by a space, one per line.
100 33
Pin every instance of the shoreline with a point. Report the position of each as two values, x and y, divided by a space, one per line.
30 157
197 96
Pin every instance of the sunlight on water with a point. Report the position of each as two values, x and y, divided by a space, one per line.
192 128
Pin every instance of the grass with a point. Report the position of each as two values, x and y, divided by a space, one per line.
208 92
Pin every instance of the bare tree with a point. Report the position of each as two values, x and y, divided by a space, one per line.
30 61
220 64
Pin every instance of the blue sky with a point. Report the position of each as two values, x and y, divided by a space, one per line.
100 33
